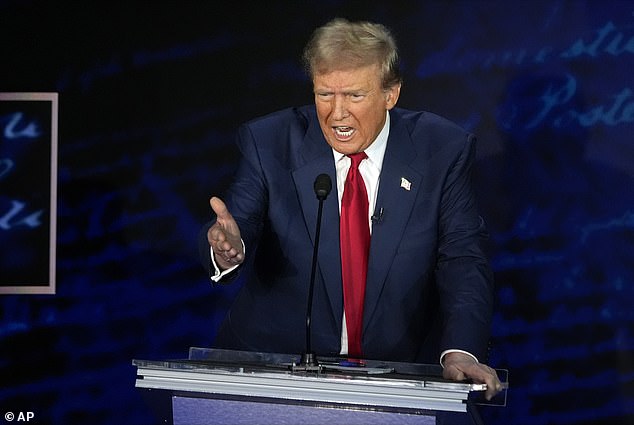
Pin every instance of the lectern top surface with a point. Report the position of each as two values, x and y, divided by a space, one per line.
275 370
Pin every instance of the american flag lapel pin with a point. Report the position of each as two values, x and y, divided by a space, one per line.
406 184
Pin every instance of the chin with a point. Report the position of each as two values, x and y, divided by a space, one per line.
345 148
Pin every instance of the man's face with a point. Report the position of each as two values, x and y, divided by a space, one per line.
351 106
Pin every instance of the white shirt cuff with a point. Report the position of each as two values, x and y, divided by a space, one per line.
444 353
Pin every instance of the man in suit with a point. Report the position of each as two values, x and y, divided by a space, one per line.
426 292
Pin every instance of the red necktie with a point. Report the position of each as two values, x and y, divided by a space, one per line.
355 244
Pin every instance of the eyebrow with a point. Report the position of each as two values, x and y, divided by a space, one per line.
346 92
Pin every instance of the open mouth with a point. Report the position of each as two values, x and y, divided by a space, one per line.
343 133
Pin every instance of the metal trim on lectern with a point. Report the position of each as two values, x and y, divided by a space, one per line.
411 389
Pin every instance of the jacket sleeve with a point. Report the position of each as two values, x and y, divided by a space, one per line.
246 200
463 274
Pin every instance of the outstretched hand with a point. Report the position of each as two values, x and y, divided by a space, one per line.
224 237
459 366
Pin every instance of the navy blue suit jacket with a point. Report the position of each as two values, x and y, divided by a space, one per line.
429 285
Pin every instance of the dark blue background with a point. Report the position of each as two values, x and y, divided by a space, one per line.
150 96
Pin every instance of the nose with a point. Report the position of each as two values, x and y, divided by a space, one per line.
339 108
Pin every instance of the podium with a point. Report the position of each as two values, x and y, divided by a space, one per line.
237 387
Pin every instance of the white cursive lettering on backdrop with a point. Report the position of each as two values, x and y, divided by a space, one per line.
608 40
17 127
15 217
5 166
619 109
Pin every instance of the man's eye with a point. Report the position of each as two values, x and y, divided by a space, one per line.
357 96
324 96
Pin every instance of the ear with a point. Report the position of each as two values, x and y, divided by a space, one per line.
391 96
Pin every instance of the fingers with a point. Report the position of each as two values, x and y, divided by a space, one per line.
459 368
218 238
228 254
224 236
489 376
494 385
227 250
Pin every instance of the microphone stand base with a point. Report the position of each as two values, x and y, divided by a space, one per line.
308 363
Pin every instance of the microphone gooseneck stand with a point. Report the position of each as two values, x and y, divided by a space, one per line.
308 361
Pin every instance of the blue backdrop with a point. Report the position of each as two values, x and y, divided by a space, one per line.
150 96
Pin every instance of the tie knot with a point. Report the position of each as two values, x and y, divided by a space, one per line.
356 158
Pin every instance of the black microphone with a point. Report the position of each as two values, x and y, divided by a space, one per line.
322 186
377 216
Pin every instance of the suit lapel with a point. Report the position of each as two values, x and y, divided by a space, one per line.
317 159
398 187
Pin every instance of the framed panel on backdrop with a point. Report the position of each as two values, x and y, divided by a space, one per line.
28 192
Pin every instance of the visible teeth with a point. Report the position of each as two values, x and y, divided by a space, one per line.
344 131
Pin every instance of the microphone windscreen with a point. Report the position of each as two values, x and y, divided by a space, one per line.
322 186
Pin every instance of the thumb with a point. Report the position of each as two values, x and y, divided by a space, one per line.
219 208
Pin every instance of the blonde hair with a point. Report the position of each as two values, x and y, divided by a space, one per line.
341 44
